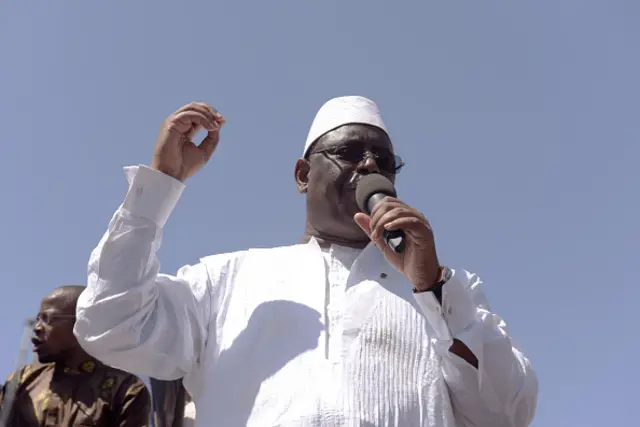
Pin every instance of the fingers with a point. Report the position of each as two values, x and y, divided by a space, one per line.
184 122
203 108
190 118
393 214
386 205
383 208
410 224
195 128
209 144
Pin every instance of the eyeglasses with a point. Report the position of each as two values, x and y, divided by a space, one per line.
353 153
46 318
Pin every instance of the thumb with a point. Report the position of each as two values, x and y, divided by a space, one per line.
364 222
209 144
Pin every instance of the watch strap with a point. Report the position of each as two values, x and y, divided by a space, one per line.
443 277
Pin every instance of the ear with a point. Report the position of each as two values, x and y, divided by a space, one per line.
302 175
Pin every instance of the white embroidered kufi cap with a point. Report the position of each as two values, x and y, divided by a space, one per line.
342 111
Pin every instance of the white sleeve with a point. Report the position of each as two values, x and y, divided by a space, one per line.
130 316
503 391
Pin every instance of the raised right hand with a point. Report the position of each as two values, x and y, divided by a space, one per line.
175 154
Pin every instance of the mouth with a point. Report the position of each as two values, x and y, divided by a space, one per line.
36 343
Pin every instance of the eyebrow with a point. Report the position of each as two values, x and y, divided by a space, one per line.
344 144
56 312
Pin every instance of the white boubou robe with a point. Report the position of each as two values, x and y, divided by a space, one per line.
297 335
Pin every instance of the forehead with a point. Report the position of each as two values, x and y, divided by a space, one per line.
356 134
54 302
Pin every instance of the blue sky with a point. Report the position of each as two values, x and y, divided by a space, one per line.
518 121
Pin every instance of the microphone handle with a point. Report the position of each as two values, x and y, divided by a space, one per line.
395 240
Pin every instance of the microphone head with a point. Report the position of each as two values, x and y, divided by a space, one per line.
370 185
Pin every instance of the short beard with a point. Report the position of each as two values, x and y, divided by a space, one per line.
47 358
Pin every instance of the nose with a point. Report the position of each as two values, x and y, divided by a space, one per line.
38 326
368 164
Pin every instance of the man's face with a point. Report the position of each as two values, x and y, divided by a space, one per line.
335 164
53 339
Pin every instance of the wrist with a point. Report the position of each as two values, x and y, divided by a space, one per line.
443 274
171 172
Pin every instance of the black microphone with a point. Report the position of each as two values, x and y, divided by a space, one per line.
370 191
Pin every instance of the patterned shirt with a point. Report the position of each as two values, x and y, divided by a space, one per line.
94 394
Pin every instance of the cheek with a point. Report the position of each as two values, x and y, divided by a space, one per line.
60 338
322 182
324 172
53 334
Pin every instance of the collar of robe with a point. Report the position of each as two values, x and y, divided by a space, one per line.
86 367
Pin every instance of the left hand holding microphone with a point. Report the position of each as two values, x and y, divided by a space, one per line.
419 261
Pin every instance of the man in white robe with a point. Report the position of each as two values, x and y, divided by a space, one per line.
336 331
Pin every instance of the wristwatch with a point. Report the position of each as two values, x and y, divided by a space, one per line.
445 275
